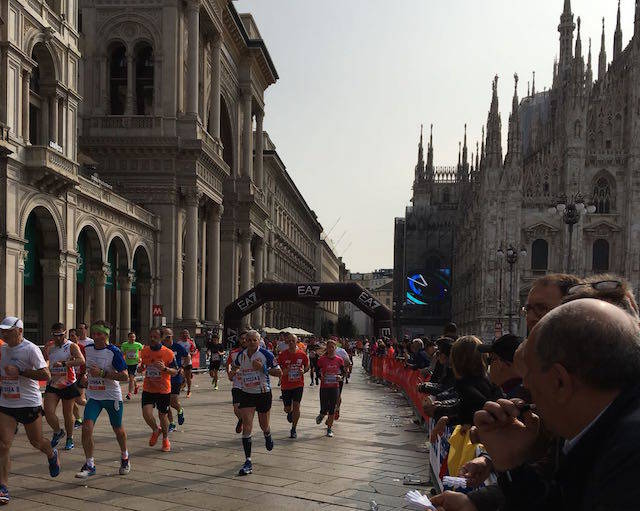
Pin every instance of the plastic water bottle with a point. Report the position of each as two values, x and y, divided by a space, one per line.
373 506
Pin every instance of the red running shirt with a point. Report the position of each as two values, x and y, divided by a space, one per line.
330 369
295 363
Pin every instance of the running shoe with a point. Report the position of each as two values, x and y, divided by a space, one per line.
216 387
69 444
77 424
239 426
125 466
319 418
153 439
293 434
172 427
54 464
246 469
188 394
166 445
268 442
311 384
4 495
290 416
56 438
86 471
128 396
181 417
329 433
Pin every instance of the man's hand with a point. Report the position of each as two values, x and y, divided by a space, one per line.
95 371
256 364
159 364
453 501
476 471
11 371
438 429
57 364
508 439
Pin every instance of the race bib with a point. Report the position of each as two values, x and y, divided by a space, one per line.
152 372
215 357
331 378
132 355
250 379
96 383
11 387
294 373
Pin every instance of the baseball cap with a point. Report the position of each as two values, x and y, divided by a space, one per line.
11 322
505 347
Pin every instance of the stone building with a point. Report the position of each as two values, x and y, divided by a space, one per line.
135 167
573 147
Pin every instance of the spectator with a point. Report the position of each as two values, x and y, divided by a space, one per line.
450 330
606 287
502 372
418 358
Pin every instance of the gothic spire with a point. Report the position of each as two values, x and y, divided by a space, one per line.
533 86
617 38
589 67
477 156
464 147
459 154
514 138
494 131
430 156
578 54
636 32
566 29
602 60
419 172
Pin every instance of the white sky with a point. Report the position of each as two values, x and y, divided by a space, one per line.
358 77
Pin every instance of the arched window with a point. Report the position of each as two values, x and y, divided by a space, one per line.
540 255
226 134
118 79
602 196
601 255
144 79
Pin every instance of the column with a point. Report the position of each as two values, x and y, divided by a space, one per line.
44 136
124 283
203 265
247 135
190 284
128 109
143 290
215 86
53 112
213 260
245 269
26 78
100 279
102 102
257 321
259 150
193 26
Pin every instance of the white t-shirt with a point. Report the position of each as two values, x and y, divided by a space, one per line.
341 352
18 391
84 342
108 358
252 381
187 347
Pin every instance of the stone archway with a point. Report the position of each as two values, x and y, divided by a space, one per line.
89 305
141 293
117 289
42 276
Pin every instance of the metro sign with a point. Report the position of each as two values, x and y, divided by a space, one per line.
308 290
157 310
245 303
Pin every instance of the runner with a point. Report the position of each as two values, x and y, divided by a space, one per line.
83 340
81 382
332 371
216 352
255 364
63 357
313 360
105 369
342 353
180 355
190 347
21 367
236 388
294 363
131 349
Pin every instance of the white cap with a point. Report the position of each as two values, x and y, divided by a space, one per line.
11 322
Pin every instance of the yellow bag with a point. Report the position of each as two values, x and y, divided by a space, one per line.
461 450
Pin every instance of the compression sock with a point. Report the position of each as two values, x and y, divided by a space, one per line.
246 445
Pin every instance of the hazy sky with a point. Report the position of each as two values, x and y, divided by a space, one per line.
358 77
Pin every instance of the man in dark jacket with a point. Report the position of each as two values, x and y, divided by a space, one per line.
501 369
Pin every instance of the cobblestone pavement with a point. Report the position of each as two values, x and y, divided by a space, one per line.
375 445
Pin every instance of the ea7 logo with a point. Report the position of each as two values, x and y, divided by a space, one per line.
245 303
368 300
232 336
308 290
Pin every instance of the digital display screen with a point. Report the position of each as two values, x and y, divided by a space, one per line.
428 288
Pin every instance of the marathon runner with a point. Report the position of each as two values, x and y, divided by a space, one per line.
81 382
346 358
190 347
83 340
236 388
294 363
105 369
180 355
21 367
216 352
313 362
131 350
255 364
159 364
332 371
63 357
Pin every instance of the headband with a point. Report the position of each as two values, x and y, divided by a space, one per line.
101 328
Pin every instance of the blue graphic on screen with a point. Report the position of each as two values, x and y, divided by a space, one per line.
429 287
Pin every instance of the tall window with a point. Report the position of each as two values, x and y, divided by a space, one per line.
118 79
144 79
602 196
601 255
539 255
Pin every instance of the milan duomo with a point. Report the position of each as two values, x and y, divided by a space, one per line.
480 232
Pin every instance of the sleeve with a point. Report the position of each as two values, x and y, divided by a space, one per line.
139 346
487 498
36 358
117 362
271 361
305 360
171 360
279 358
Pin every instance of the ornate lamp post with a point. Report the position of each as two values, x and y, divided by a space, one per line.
512 258
571 211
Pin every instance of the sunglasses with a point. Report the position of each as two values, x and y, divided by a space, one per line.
602 285
57 334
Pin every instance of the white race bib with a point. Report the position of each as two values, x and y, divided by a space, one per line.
250 379
152 372
331 378
11 387
132 355
96 383
294 373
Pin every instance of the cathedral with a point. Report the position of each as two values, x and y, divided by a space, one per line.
563 197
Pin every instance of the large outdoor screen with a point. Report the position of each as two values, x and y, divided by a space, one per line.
429 287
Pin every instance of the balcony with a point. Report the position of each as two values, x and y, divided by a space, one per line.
49 170
5 146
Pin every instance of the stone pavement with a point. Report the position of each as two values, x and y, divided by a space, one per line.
375 445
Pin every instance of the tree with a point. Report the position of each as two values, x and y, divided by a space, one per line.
327 328
345 327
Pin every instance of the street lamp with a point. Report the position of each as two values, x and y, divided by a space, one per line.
571 211
512 255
